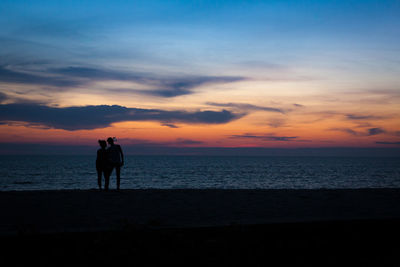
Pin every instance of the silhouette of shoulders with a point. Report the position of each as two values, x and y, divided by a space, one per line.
114 153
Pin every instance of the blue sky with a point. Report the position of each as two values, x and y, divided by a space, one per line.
192 33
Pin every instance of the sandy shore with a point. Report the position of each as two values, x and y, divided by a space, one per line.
201 228
90 210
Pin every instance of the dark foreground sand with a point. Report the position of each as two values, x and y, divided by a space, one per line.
81 210
201 227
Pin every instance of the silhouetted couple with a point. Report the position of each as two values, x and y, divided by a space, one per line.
108 159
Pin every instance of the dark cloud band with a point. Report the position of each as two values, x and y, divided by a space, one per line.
92 117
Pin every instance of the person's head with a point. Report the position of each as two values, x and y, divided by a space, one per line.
110 140
102 143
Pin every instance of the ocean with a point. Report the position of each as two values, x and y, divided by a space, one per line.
201 172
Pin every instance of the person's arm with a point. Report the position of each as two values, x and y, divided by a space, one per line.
122 155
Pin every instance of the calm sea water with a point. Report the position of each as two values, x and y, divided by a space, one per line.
78 172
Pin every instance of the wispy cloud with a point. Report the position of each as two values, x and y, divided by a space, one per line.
281 138
245 107
346 130
3 97
275 123
91 117
184 86
13 76
298 105
362 117
162 86
265 137
176 142
368 132
99 74
375 131
262 64
170 125
183 141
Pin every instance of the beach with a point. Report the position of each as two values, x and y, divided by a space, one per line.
212 223
92 210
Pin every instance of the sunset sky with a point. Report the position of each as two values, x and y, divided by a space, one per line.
275 74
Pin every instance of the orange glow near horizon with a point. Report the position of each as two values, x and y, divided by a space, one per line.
291 130
288 114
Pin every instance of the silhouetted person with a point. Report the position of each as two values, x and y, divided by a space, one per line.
116 159
103 165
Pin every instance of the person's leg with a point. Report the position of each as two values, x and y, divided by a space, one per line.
118 172
107 175
99 174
